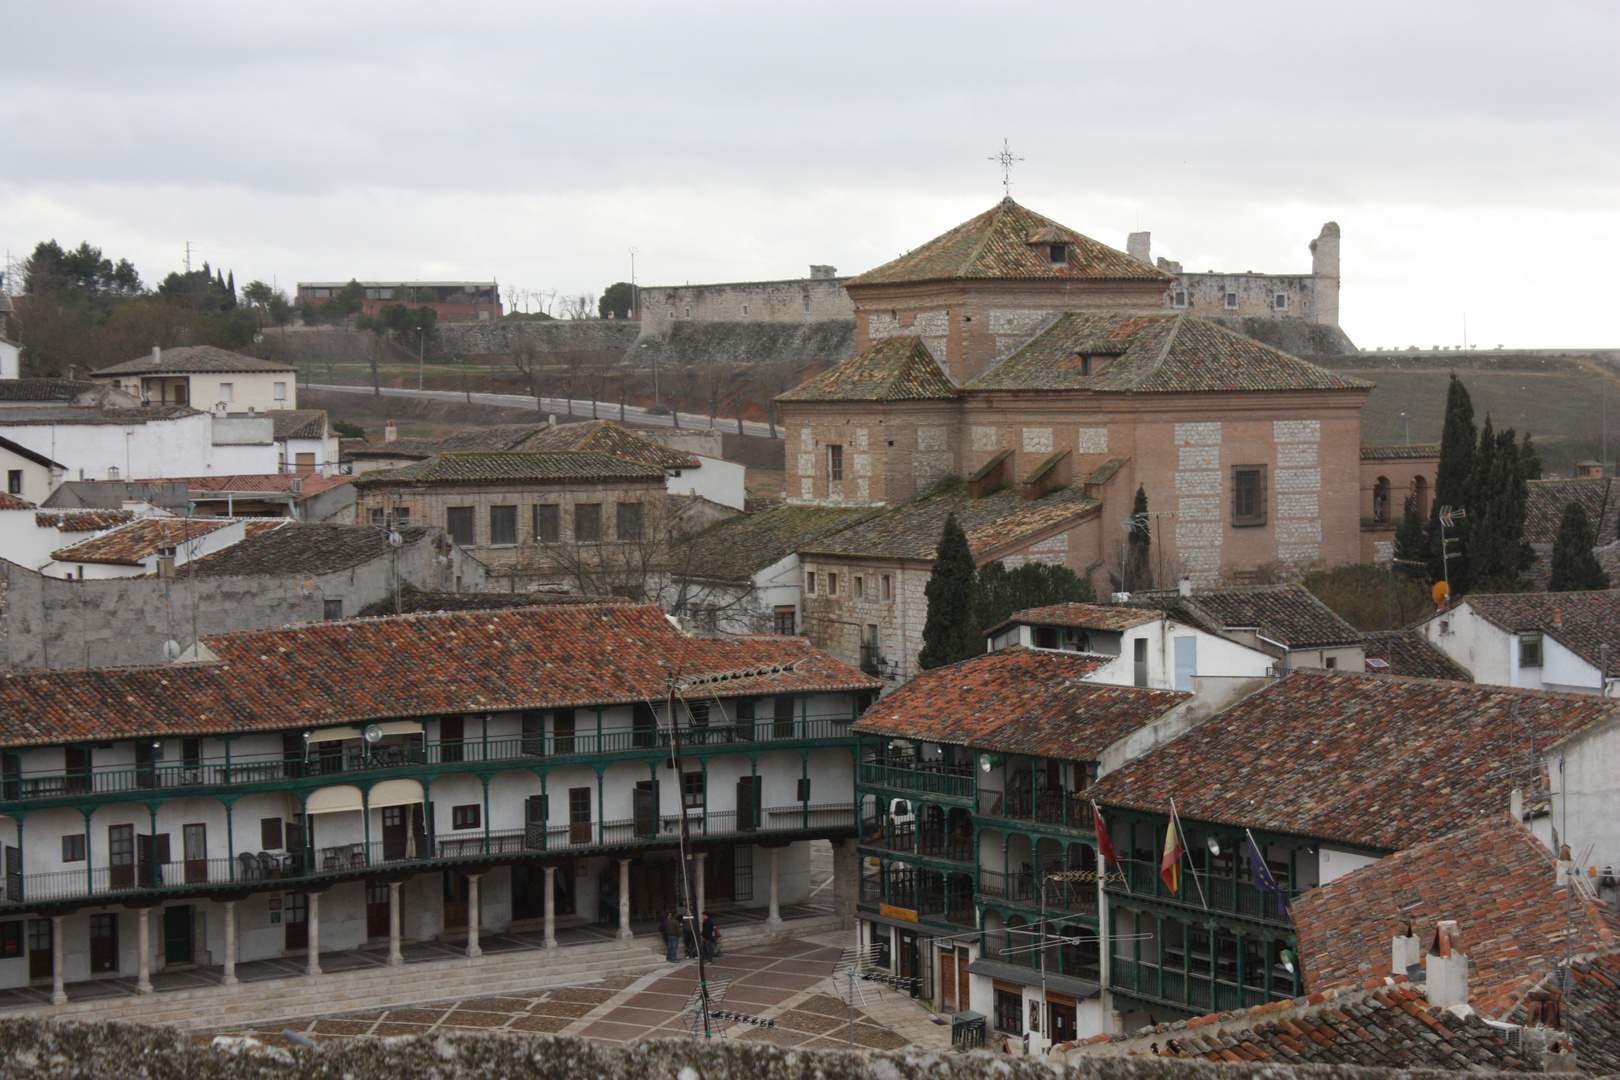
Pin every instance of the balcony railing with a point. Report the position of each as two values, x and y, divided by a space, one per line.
1015 887
1197 993
927 781
23 787
938 844
1221 893
336 859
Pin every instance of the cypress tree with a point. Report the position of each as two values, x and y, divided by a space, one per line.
1411 545
1137 573
948 633
1452 478
1529 458
1502 500
1573 564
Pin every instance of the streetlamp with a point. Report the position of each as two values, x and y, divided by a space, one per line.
421 355
1408 422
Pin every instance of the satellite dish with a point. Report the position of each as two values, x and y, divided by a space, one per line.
1214 846
171 650
395 540
372 733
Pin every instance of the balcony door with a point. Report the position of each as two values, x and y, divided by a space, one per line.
295 921
104 943
456 892
376 909
749 792
579 815
396 833
40 949
177 934
121 856
195 840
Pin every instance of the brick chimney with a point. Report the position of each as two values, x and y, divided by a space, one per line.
1446 967
1405 949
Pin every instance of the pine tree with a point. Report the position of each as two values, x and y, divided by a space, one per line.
1452 479
1411 545
1573 564
1137 573
948 633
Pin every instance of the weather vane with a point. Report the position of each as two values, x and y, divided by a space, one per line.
1007 159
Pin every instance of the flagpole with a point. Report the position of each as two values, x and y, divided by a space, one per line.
1181 835
1102 831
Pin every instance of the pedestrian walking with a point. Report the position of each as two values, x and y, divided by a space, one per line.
671 929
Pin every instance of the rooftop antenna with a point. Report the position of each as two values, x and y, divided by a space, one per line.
188 256
1007 159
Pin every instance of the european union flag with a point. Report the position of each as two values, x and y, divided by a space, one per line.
1262 876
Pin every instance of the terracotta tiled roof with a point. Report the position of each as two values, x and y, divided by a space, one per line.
1010 241
416 601
1548 499
358 670
1153 353
1400 453
1579 621
1494 878
302 547
1409 653
21 416
129 544
1363 759
299 423
895 369
510 466
14 502
311 483
1290 614
992 523
1389 1028
43 389
259 526
739 547
1083 616
1592 1011
81 520
606 437
1019 701
191 358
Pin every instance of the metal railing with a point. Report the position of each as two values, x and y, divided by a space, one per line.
929 782
1016 887
15 787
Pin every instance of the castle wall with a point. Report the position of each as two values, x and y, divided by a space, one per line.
813 299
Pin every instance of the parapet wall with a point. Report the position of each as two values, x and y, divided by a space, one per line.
563 335
752 343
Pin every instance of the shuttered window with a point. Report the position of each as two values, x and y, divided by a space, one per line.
1248 495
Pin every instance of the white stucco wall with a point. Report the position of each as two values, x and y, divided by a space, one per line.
716 479
152 450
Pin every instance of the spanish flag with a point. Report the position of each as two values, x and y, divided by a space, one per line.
1170 867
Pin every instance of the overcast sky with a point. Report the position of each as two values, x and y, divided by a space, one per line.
1468 150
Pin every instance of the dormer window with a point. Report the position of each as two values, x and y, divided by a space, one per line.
1089 365
1057 254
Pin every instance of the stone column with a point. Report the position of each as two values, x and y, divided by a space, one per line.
395 957
846 877
143 975
230 943
700 873
58 985
551 907
775 916
473 951
313 914
624 900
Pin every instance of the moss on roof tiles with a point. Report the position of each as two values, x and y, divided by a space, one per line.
912 531
736 549
190 358
499 467
1010 241
895 369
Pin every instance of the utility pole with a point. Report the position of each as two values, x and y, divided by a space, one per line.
421 354
188 256
635 296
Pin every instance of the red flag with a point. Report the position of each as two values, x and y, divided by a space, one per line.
1105 844
1170 867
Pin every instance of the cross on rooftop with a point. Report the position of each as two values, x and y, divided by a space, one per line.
1007 159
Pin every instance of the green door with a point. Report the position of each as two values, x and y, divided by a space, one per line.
177 934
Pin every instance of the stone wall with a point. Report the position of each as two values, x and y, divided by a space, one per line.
563 335
816 299
793 343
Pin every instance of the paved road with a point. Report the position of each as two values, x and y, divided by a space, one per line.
608 410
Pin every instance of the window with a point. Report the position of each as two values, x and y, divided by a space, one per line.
888 587
628 517
1529 650
810 583
332 609
745 309
502 526
402 517
835 462
860 588
1178 298
225 390
11 939
14 481
807 302
692 790
547 528
465 817
458 522
1009 1011
1231 299
279 391
688 313
832 584
73 848
1057 254
270 833
1281 302
1331 662
785 622
1248 495
804 789
588 523
397 518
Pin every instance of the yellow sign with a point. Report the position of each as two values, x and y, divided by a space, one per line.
897 913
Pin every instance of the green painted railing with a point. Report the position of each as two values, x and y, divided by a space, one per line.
927 782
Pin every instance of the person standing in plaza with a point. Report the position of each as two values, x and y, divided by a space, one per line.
671 929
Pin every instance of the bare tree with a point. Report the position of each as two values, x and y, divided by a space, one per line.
579 306
536 375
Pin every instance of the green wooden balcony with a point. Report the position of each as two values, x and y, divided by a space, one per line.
1195 993
1223 895
937 782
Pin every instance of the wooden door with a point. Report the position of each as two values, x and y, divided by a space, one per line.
718 872
452 731
579 815
643 725
455 900
528 890
782 721
295 920
145 764
644 809
947 981
194 838
1060 1011
396 833
962 980
78 770
103 943
534 733
177 934
121 856
376 909
534 822
40 948
748 803
562 731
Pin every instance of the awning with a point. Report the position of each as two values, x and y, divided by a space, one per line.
395 793
400 727
332 734
1024 976
335 800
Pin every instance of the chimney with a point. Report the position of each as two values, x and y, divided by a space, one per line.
157 354
1184 586
1405 950
1566 863
1446 967
219 409
1516 804
1558 617
551 419
1138 245
389 432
